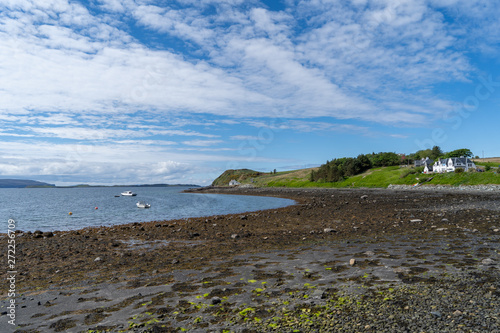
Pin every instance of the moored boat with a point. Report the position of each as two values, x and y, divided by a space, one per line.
141 204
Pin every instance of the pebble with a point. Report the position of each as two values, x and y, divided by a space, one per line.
488 262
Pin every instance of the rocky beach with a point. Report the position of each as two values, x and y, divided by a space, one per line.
349 260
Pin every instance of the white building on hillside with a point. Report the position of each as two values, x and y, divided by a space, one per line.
453 163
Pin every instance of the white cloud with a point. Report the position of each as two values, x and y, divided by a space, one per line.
350 62
202 143
244 137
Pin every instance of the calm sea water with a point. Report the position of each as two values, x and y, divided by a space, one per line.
47 209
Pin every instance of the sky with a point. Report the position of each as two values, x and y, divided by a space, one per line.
140 92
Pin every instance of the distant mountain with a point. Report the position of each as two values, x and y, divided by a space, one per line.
22 183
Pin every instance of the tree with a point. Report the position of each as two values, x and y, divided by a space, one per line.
365 162
436 152
459 153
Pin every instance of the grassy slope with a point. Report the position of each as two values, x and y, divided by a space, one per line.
378 177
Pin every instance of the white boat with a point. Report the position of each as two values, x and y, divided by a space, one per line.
129 193
141 204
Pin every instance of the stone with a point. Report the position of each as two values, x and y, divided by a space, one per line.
457 313
352 262
436 314
364 197
488 262
234 236
327 230
98 259
416 221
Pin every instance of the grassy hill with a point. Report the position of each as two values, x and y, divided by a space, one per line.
377 177
241 175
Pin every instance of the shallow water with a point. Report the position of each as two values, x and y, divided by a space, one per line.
48 209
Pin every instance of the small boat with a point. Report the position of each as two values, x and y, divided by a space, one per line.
141 204
129 193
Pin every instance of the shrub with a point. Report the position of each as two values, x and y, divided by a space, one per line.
459 170
487 168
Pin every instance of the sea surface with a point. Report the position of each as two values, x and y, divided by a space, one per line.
48 209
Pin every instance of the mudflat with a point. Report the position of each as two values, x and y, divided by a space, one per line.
351 260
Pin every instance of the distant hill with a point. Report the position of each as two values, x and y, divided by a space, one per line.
22 183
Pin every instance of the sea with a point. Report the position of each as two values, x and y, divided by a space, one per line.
59 209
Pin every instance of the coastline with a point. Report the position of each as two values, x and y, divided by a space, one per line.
221 272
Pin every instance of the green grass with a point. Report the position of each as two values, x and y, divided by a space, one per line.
490 164
377 177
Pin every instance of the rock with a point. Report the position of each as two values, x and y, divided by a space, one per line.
352 262
416 221
216 300
436 314
364 197
441 229
98 259
488 261
234 236
327 230
457 313
369 253
175 261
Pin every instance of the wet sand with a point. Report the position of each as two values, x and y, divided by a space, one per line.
357 260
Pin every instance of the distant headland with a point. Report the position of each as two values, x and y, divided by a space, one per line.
26 183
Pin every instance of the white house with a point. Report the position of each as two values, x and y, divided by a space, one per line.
234 182
452 163
426 163
440 165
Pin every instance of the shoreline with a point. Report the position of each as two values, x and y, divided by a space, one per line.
221 272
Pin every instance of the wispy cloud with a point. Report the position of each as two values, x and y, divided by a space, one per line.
202 143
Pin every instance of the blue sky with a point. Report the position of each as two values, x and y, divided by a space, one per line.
138 91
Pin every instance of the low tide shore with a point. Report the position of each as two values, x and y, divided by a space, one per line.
351 260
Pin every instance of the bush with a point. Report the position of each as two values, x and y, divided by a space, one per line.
419 169
459 170
487 168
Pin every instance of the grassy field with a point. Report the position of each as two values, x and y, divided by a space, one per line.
377 177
